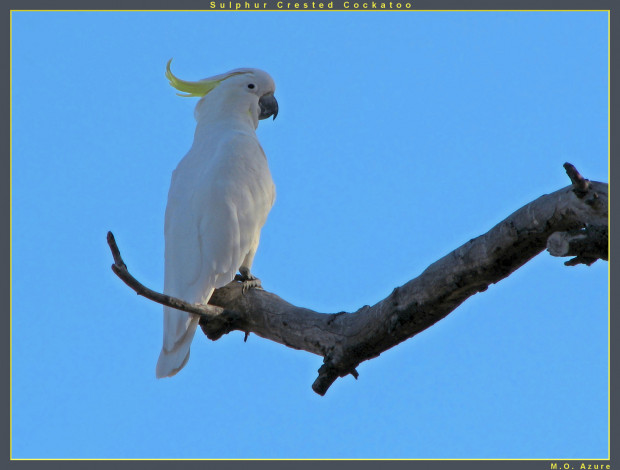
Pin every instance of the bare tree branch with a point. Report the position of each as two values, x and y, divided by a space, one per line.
345 340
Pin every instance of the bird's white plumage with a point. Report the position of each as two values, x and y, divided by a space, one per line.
219 198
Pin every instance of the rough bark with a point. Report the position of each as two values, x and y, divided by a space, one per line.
587 245
344 340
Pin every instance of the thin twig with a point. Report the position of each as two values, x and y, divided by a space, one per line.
120 269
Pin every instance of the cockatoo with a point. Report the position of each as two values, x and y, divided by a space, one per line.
219 198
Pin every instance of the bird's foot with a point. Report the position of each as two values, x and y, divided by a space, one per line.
248 279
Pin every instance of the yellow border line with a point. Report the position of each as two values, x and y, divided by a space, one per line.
297 459
325 459
608 239
306 9
11 235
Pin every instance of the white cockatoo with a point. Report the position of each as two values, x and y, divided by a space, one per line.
219 198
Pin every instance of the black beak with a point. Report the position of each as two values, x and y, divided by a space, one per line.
268 106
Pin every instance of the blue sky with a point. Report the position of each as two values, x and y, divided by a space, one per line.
400 137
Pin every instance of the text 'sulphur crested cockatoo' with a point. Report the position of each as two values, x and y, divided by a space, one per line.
219 198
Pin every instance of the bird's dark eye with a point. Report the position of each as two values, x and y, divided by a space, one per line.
251 86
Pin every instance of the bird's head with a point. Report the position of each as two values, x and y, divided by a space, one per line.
246 90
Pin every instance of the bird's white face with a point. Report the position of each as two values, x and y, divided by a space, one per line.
255 81
254 87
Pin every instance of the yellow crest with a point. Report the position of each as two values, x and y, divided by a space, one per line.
198 88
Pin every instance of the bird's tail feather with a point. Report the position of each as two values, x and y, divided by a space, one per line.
179 329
